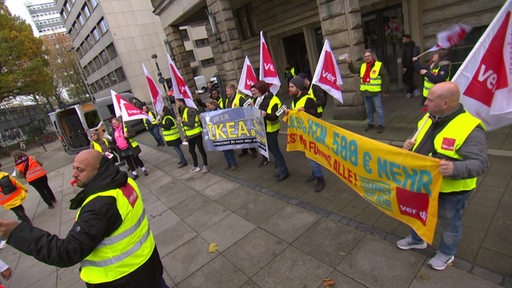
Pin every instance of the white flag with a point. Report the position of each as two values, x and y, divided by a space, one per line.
450 37
485 76
247 78
268 71
179 85
327 74
154 92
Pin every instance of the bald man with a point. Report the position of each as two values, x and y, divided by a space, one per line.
450 133
110 238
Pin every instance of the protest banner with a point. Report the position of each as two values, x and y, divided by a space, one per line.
234 128
402 184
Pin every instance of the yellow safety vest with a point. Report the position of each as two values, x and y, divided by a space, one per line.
448 142
272 126
319 108
132 140
154 122
375 84
97 146
427 85
171 134
301 102
128 247
236 101
197 125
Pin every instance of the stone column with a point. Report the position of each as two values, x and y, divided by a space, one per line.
226 46
342 24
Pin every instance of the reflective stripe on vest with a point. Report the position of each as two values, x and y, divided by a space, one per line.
154 122
171 134
128 247
197 125
375 84
236 101
34 170
272 126
427 85
447 142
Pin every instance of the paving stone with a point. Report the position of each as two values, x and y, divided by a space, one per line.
227 231
219 273
259 211
254 251
205 217
292 269
289 223
450 277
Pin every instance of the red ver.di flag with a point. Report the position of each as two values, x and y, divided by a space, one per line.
247 78
125 109
484 77
179 85
154 91
450 37
327 75
268 71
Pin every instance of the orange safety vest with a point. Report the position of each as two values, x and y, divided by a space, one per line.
34 170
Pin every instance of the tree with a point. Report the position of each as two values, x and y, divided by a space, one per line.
23 64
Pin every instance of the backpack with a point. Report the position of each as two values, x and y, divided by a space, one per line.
6 185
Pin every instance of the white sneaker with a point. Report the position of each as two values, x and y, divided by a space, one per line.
194 169
3 244
440 261
205 169
407 243
409 95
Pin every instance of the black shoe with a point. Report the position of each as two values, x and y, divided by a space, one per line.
134 177
310 178
281 178
369 127
182 164
146 173
320 184
380 129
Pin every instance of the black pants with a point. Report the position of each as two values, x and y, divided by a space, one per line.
42 187
192 143
133 162
20 213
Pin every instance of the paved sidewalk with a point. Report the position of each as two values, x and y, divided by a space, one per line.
283 234
263 241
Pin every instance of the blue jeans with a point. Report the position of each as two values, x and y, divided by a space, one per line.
177 148
374 103
273 148
317 168
155 132
449 222
229 156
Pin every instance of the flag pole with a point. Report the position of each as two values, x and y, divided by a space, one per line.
415 136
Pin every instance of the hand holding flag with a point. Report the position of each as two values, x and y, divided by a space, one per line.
247 78
327 74
154 91
268 71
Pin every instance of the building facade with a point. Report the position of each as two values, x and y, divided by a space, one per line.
295 31
112 42
46 17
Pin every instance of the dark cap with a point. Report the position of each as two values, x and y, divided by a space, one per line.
299 83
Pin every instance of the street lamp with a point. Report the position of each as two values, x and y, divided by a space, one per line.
161 79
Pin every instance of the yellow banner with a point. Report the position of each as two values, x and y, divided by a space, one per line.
402 184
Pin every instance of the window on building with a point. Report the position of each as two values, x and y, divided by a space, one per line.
207 62
103 26
81 19
94 3
63 14
190 56
95 34
67 6
184 35
111 51
104 56
106 82
120 74
201 42
112 78
90 41
85 11
97 62
245 22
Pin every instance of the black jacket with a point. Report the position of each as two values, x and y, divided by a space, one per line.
97 220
